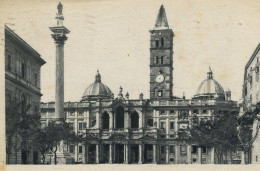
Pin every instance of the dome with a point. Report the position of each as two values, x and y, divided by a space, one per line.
97 90
210 88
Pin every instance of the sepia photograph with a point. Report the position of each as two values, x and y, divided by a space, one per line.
114 83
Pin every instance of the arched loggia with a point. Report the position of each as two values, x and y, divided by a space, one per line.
134 120
120 117
105 120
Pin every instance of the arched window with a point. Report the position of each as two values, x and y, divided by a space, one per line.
134 120
120 117
162 42
105 120
157 43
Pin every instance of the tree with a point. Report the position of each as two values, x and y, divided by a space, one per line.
20 127
52 135
40 143
219 133
245 134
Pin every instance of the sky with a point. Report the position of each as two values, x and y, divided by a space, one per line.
113 37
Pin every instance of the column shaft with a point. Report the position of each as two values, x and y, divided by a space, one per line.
126 153
110 153
140 154
97 153
167 154
59 90
154 153
199 153
212 156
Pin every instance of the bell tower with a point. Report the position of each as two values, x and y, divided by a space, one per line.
161 58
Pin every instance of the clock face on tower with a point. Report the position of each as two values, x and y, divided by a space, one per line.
159 78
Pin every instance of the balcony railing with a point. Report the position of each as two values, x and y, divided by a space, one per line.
193 103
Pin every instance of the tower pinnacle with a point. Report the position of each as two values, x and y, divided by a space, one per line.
161 21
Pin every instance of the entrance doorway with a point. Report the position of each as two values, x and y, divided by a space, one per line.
148 153
119 153
105 153
92 154
134 151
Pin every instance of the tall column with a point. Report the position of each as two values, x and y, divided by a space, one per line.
140 119
140 159
83 154
126 119
126 153
177 147
189 154
97 153
212 156
154 154
87 119
76 152
59 36
199 155
98 120
87 153
110 153
110 121
167 154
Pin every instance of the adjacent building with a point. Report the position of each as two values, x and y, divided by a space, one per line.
251 96
22 86
117 129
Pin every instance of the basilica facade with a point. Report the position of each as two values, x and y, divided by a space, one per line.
116 129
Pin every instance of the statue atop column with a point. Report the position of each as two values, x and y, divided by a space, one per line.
59 16
60 7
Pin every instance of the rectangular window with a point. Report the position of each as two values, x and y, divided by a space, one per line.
162 149
163 125
150 122
171 159
71 148
172 149
23 70
196 111
157 60
204 111
80 113
194 149
9 63
172 111
163 112
35 79
204 150
80 126
171 125
80 149
72 114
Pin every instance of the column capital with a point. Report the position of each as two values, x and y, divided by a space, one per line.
59 38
